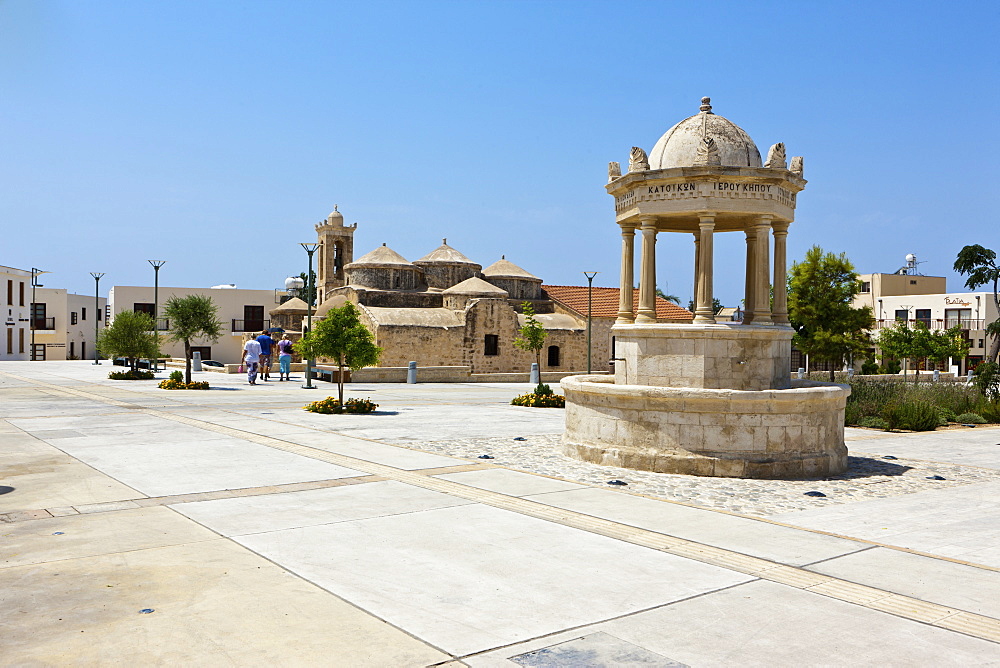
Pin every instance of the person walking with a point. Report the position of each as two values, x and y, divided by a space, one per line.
266 348
284 358
251 357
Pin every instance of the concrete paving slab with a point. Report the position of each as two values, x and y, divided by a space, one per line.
943 582
767 624
75 536
214 604
159 468
470 578
273 512
740 534
379 453
958 522
512 483
971 447
43 477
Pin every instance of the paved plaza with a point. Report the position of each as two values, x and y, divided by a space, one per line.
230 527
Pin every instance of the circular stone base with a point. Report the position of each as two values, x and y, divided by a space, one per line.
793 433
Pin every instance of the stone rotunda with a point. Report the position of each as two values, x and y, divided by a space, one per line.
707 398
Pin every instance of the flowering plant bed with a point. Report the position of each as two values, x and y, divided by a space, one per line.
173 384
138 374
542 397
331 405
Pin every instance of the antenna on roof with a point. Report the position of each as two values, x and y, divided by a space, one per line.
910 269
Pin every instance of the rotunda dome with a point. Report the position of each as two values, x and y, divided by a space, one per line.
680 145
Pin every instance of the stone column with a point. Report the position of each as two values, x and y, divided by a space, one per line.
748 300
704 313
647 278
780 313
762 271
625 314
697 267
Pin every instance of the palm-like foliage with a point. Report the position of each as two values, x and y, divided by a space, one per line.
980 264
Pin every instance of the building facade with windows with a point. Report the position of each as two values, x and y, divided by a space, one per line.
65 324
241 312
16 341
925 301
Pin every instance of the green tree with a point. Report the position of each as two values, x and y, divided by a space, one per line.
130 335
532 333
896 342
716 305
191 317
827 327
950 343
341 336
981 266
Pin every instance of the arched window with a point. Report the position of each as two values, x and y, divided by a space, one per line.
553 356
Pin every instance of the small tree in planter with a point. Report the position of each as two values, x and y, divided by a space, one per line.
192 317
532 334
342 337
130 335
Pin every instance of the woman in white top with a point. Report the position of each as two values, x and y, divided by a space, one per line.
251 357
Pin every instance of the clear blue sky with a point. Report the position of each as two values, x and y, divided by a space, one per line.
214 135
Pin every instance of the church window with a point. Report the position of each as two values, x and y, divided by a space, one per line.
553 356
492 345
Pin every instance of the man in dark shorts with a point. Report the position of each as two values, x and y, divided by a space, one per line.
266 347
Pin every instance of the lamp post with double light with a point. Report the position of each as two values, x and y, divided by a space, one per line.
97 309
156 307
310 248
590 307
35 273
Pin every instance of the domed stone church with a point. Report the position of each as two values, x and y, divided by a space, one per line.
447 310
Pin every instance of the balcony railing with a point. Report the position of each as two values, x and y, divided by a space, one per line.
250 325
43 323
933 323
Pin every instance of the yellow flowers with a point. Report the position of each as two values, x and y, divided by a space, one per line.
331 405
172 384
534 400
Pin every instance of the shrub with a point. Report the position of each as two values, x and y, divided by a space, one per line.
332 405
990 411
541 397
172 384
891 367
138 374
970 418
869 368
945 416
853 414
873 423
920 416
177 375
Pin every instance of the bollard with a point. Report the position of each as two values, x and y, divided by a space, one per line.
969 378
937 375
536 377
850 373
411 372
802 373
196 360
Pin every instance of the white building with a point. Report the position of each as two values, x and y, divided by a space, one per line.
17 324
241 312
66 324
925 300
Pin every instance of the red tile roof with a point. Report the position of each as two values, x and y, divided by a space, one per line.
605 304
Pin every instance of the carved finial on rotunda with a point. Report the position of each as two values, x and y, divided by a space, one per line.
796 167
776 157
614 171
638 161
708 152
706 105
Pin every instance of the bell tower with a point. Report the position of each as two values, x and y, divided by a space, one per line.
336 250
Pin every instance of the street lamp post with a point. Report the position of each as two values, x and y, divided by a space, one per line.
35 273
156 307
590 306
97 309
310 248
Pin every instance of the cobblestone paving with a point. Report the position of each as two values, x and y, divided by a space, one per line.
869 476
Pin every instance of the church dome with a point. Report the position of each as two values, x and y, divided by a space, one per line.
381 257
445 254
444 267
679 146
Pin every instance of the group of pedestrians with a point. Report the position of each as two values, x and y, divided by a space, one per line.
257 355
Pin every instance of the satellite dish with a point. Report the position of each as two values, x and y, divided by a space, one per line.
911 258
